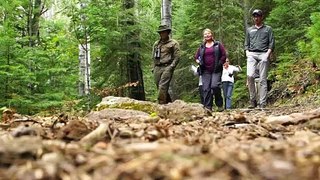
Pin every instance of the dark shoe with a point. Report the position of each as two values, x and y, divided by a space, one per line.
208 111
253 104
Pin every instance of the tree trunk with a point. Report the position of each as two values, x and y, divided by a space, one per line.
84 68
166 12
220 21
134 71
35 11
84 59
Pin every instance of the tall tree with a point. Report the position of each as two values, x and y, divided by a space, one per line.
166 12
290 20
84 54
34 10
132 40
36 72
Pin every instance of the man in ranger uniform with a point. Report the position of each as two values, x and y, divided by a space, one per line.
166 54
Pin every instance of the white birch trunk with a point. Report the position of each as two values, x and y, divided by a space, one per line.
84 60
166 12
84 68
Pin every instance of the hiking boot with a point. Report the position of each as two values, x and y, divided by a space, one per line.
220 109
253 104
262 106
208 111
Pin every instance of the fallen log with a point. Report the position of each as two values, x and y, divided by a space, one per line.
98 134
294 118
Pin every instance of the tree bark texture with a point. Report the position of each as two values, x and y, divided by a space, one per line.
134 71
84 59
84 68
166 12
35 11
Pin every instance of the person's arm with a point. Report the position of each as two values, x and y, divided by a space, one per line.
196 56
152 55
237 68
271 42
223 55
176 55
153 49
247 42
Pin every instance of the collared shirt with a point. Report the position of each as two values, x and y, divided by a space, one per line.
259 39
169 52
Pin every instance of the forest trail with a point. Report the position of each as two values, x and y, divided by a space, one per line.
128 139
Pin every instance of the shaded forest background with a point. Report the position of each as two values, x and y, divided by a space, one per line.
39 49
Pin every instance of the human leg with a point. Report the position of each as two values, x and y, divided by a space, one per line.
229 95
225 90
263 73
164 83
201 94
206 90
251 68
216 90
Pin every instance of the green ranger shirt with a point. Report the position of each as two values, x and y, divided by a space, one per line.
166 53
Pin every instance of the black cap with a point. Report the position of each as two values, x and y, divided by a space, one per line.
163 28
257 12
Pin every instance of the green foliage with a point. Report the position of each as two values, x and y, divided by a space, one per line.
240 95
290 20
45 76
314 36
109 29
40 77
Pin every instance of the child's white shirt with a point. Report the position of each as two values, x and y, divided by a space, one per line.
230 70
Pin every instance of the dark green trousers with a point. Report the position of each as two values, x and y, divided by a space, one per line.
162 78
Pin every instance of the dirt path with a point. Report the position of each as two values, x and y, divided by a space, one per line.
178 142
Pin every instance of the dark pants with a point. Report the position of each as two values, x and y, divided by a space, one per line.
201 94
162 78
211 83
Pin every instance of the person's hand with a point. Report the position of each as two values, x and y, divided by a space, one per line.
268 55
265 57
171 68
197 61
239 67
226 64
247 53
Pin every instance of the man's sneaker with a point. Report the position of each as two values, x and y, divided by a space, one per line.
253 104
262 106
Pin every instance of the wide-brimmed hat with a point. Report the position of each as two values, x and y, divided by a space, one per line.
257 12
163 28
